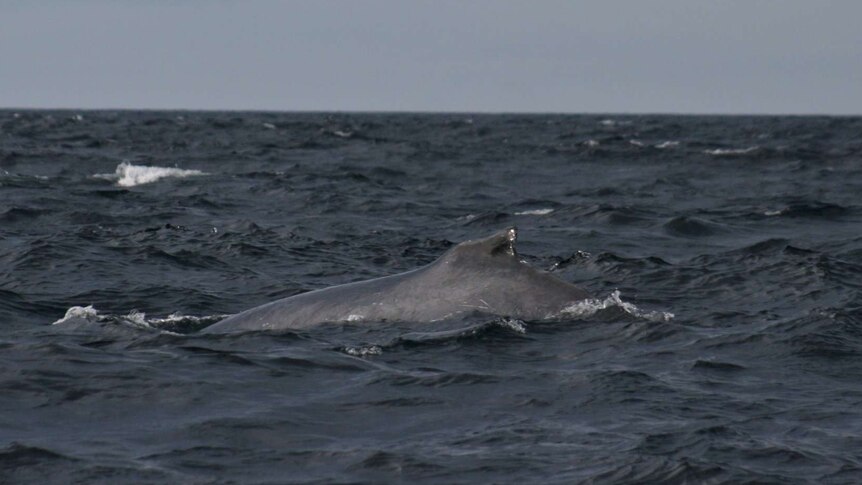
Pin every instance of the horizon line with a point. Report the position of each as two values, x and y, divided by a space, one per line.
438 112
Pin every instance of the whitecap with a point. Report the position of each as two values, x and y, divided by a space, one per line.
79 312
363 351
636 143
610 122
591 306
138 319
269 126
173 320
128 175
535 212
591 143
512 324
667 144
730 151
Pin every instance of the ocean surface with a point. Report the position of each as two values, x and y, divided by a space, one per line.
723 343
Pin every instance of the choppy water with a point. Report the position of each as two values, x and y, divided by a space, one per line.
748 230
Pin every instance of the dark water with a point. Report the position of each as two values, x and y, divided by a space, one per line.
747 229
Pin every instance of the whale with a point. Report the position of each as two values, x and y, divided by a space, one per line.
484 276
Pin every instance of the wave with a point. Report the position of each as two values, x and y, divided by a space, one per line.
128 175
813 209
692 227
362 351
79 313
591 306
473 328
174 323
610 122
534 212
729 152
25 463
18 214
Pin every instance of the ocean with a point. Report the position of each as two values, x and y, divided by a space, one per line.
723 343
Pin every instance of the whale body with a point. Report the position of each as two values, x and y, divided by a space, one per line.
484 275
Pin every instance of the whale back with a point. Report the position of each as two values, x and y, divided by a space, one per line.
483 275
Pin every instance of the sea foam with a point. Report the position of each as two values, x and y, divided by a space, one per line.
79 312
591 306
128 175
174 321
724 152
535 212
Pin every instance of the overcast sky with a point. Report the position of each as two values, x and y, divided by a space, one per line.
679 56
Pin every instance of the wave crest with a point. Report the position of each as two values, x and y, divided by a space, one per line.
175 322
591 306
128 175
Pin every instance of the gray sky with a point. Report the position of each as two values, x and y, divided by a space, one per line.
680 56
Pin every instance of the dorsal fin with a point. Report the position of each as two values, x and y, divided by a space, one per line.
498 244
505 241
502 242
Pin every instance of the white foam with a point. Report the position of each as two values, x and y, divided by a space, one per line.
135 318
591 306
591 143
89 313
363 351
636 143
667 144
128 175
354 318
138 318
610 122
730 151
79 312
535 212
512 324
269 126
771 213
